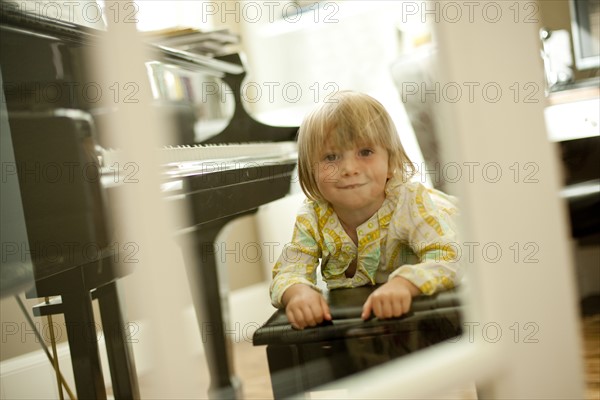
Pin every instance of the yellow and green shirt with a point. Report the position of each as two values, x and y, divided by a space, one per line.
412 235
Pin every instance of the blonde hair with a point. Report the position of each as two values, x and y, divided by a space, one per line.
347 118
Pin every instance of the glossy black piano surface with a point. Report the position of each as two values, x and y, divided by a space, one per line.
56 122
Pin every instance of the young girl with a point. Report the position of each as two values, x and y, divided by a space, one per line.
363 219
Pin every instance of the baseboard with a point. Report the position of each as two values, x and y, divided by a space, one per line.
31 376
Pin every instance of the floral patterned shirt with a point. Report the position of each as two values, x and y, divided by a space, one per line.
412 235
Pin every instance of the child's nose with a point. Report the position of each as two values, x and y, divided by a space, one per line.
349 166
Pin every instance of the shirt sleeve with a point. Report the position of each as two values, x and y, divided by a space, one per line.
430 231
299 259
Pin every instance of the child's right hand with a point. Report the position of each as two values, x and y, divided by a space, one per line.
304 306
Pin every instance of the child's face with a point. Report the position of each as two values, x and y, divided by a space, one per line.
353 179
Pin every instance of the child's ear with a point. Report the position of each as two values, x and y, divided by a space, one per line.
390 171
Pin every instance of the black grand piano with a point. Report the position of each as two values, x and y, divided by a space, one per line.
62 164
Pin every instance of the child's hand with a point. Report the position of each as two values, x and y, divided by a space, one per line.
304 306
392 299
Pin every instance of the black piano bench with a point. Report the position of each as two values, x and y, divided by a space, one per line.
300 360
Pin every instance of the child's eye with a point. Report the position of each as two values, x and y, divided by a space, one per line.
330 157
365 152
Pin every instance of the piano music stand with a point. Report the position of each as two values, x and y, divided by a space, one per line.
300 360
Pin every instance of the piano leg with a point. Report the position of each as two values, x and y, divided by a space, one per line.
118 348
83 343
204 285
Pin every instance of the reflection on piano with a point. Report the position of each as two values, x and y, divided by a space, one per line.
66 176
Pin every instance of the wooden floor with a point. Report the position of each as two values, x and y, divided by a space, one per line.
251 366
591 339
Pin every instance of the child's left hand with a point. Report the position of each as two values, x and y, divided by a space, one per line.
392 299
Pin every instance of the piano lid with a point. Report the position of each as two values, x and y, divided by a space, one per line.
203 93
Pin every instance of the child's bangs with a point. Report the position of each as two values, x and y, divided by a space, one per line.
352 128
